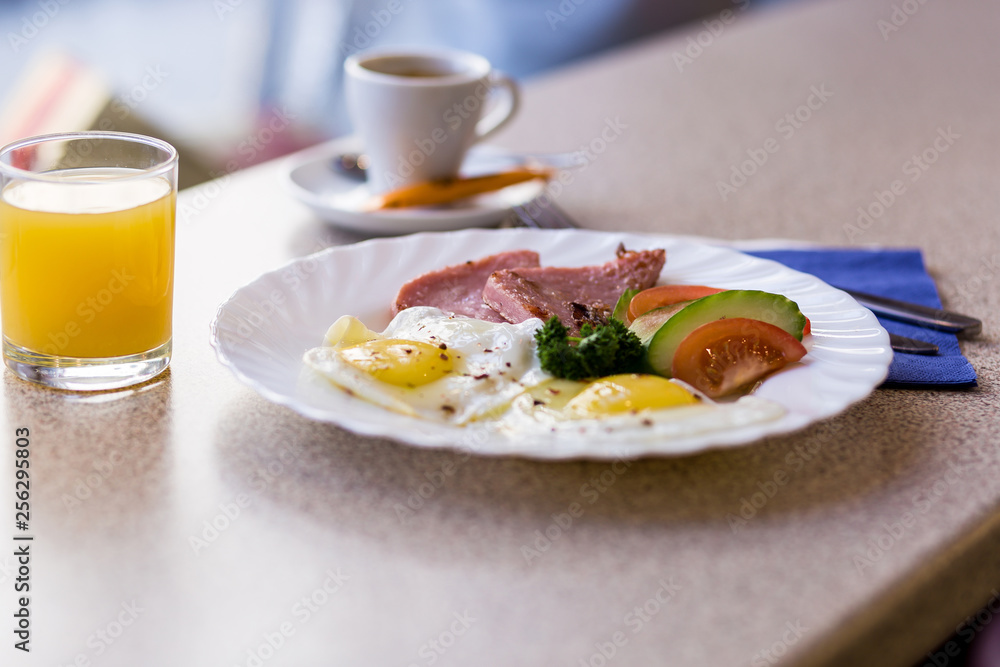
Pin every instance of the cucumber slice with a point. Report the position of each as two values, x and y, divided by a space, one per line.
621 308
774 309
646 325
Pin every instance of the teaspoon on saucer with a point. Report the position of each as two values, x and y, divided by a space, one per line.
353 165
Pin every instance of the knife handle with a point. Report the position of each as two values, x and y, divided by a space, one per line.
930 318
911 345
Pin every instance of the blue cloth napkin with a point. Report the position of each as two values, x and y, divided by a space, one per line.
898 274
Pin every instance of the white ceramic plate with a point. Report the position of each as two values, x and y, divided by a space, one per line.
338 199
266 326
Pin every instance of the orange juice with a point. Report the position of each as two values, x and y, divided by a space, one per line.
86 265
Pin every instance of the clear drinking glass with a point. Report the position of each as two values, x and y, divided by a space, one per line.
87 258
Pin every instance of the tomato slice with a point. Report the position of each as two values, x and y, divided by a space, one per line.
666 295
727 355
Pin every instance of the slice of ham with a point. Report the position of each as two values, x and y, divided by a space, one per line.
573 294
459 288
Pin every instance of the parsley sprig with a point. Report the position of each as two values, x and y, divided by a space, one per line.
598 351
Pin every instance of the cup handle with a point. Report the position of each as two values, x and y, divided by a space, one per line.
502 113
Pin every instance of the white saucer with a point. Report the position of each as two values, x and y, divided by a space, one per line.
337 198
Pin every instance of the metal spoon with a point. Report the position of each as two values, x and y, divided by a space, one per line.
353 165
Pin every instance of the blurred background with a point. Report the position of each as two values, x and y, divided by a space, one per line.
236 82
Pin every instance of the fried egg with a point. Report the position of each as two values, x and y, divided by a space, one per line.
430 364
636 407
451 369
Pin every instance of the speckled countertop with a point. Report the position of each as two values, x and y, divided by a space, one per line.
309 563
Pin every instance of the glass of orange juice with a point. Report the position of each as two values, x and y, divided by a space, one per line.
87 258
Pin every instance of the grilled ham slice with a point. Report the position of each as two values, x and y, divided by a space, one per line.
459 288
574 295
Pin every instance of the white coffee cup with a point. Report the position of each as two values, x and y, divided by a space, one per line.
418 112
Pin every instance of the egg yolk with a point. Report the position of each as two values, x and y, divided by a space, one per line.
403 363
628 393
